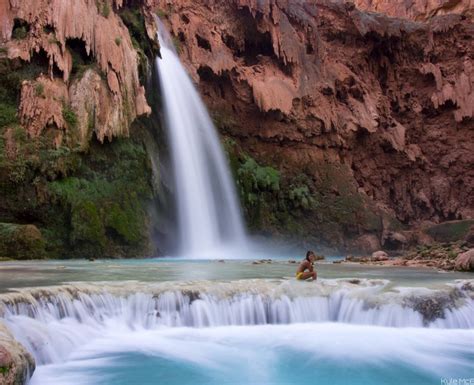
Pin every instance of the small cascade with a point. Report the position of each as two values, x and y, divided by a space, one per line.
52 322
209 218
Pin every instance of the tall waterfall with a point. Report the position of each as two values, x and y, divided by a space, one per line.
209 217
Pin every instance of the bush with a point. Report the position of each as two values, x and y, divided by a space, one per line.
39 89
20 33
69 116
105 9
7 115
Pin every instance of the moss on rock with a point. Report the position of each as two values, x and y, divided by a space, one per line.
21 241
325 208
451 231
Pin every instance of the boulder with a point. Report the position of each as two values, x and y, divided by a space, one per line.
379 256
465 261
16 364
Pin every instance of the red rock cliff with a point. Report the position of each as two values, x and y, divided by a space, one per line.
107 96
312 83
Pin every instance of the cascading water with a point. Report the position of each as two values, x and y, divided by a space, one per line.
186 333
52 322
209 217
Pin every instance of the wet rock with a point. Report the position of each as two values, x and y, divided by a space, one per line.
465 261
379 256
16 364
362 259
433 307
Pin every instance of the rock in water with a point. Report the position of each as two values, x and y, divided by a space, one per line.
16 364
465 261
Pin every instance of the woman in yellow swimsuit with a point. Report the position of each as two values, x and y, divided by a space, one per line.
307 264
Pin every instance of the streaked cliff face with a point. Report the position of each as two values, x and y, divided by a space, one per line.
314 83
106 96
419 10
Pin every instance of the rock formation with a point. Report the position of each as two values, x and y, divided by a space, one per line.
349 100
465 261
419 9
106 98
71 87
16 364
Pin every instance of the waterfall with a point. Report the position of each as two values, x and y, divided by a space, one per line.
50 322
209 218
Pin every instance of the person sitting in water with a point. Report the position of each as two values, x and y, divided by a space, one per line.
307 264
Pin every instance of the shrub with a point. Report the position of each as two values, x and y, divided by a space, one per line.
69 116
105 9
39 89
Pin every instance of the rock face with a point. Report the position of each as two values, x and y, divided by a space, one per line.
384 104
92 67
418 9
16 364
75 171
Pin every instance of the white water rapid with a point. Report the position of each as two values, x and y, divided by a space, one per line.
51 322
209 217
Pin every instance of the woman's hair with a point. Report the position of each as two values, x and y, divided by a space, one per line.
308 253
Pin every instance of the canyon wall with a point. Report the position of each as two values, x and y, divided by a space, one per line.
343 127
75 132
420 10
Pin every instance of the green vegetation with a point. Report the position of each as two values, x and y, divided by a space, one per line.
7 114
39 89
20 29
145 47
83 204
4 369
320 203
177 44
450 231
69 116
105 10
161 13
20 33
21 241
106 205
118 40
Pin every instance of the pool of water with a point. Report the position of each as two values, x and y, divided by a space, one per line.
112 327
46 273
270 354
